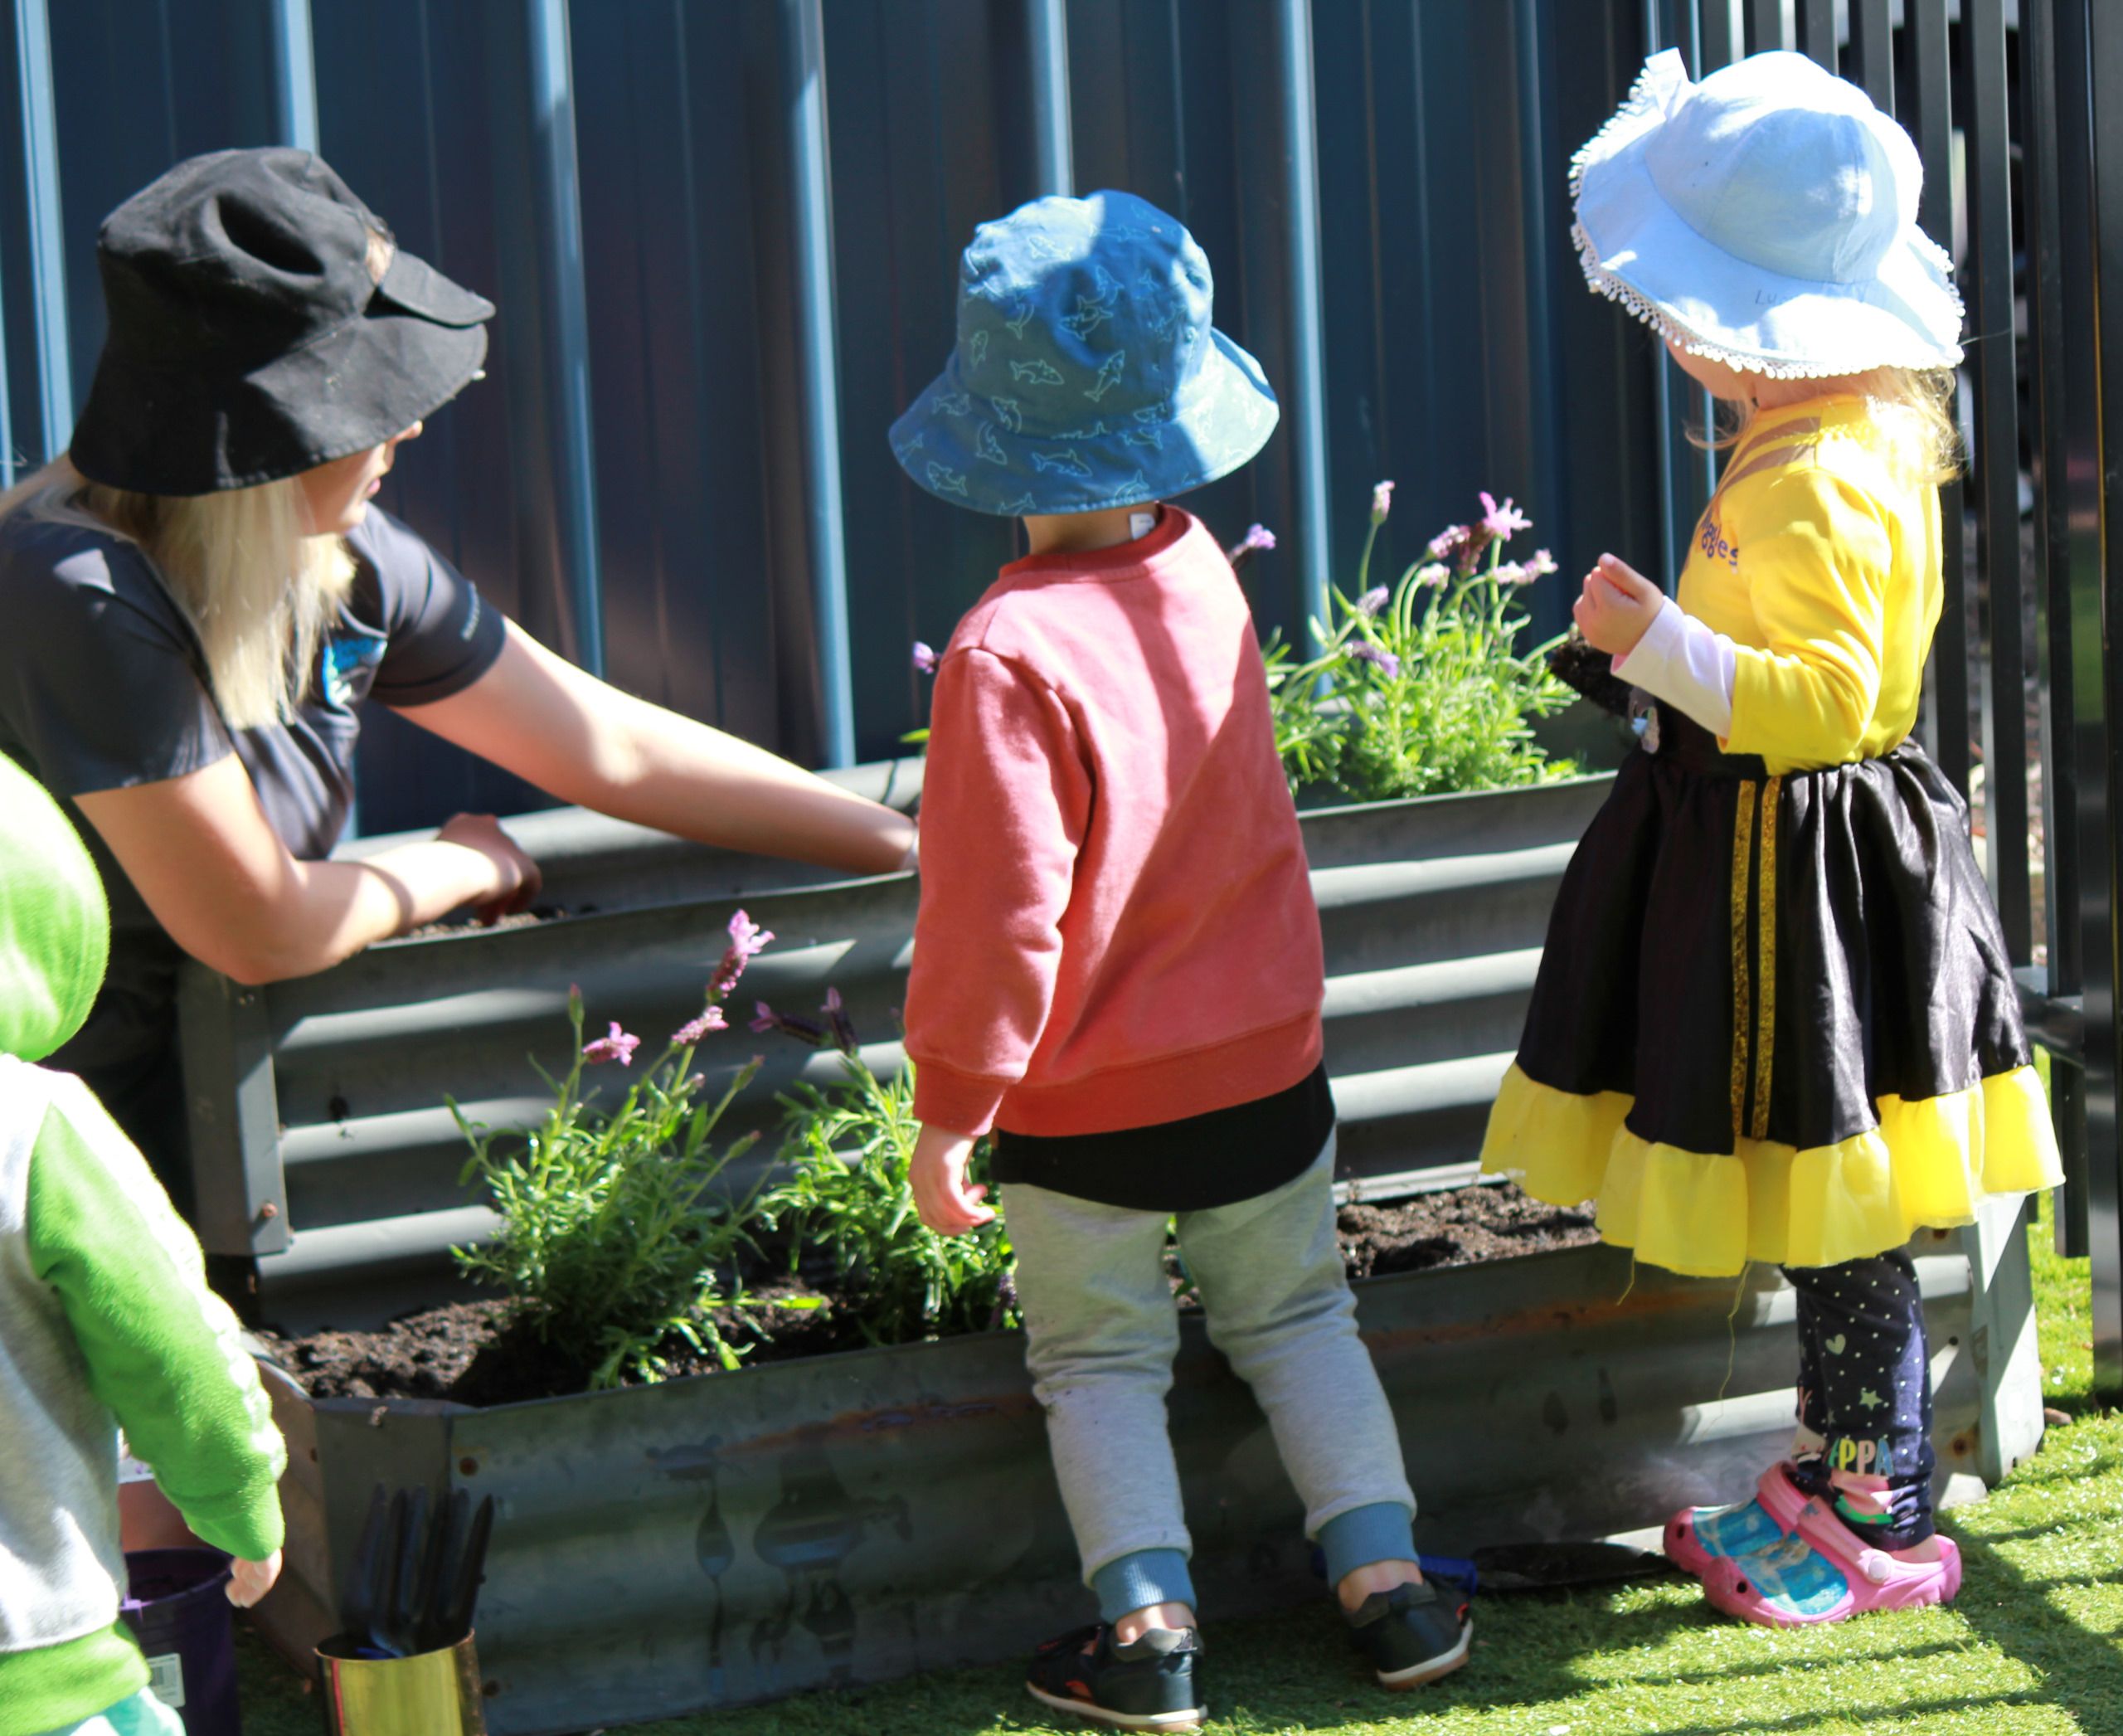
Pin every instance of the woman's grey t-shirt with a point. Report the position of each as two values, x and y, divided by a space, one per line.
102 686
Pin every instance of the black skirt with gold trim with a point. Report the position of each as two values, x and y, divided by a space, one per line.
1776 1018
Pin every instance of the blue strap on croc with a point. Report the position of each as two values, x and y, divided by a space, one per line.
1795 1579
1697 1536
1737 1530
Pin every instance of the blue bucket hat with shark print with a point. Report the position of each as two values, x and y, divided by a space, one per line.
1087 374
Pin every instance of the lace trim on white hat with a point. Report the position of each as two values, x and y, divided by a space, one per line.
1919 353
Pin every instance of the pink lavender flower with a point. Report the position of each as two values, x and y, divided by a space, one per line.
1372 601
747 941
711 1019
615 1046
1432 577
1503 522
925 658
1382 501
1257 537
838 1021
765 1019
1541 565
1511 574
1448 541
1385 661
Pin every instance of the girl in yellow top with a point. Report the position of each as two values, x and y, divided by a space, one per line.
1776 1020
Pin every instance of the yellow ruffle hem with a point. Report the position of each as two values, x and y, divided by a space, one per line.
1928 1164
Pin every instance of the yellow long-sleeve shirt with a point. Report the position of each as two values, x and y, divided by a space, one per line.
1819 558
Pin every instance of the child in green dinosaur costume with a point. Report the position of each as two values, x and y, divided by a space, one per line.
109 1323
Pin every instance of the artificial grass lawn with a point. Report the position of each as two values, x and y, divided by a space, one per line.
2032 1646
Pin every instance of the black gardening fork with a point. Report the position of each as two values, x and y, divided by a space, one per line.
415 1577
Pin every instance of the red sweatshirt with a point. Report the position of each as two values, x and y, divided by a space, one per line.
1117 928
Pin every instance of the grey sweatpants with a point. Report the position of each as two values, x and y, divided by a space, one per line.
1103 1330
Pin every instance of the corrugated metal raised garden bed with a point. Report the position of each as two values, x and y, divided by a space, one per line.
729 1538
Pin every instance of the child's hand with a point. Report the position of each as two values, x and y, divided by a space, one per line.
1618 607
250 1580
937 1174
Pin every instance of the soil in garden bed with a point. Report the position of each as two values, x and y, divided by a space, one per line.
477 1352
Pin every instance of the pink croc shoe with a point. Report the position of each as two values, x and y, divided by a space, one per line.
1824 1572
1697 1536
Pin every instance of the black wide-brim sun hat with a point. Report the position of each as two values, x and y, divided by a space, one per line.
251 338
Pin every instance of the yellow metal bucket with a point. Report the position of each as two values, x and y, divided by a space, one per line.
432 1693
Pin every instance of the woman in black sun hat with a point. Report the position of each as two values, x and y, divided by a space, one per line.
199 596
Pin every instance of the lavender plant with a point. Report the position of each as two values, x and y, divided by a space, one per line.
617 1233
1418 687
847 1150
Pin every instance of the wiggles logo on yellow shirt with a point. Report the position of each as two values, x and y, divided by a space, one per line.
1713 544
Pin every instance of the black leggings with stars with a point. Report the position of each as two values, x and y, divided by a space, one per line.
1865 1394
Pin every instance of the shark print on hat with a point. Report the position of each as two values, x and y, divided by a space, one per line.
1086 372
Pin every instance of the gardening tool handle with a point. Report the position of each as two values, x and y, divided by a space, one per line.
360 1591
454 1618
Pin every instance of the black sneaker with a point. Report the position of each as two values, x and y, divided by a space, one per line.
1412 1634
1147 1684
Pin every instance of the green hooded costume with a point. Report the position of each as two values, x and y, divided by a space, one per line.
109 1321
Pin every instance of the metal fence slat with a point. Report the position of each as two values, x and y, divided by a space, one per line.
1817 32
1769 25
1927 111
1872 50
2098 598
1048 29
1995 485
2052 398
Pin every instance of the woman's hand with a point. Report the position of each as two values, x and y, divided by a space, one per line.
250 1580
516 876
937 1175
1617 608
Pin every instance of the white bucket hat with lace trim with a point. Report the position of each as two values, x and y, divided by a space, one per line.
1766 218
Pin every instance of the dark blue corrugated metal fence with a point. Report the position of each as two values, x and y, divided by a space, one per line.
723 240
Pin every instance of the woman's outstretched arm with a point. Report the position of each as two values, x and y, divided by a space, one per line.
576 737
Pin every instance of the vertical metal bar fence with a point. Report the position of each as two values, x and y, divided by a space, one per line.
294 74
1872 50
2054 181
1995 481
805 70
46 227
2103 70
1053 149
1927 111
1817 30
1308 360
558 181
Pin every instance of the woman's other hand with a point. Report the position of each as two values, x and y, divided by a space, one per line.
202 852
516 876
1617 607
937 1175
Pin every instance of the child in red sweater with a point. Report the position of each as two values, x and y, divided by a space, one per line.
1117 966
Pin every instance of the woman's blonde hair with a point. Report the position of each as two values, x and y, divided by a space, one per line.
1918 418
259 590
